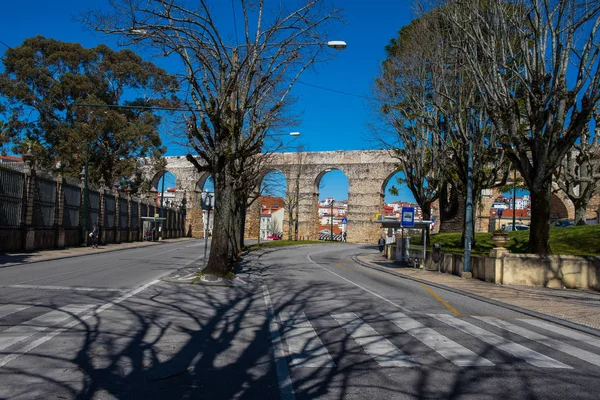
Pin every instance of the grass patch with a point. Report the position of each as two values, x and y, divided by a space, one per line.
576 241
283 243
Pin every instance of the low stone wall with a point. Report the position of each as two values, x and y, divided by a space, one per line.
551 271
554 271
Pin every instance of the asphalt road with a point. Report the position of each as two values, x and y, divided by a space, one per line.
304 322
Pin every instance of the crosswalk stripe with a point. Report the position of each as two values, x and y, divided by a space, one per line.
522 352
21 332
570 333
8 309
306 349
445 347
378 347
545 340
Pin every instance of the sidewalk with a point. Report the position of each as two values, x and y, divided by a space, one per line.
10 259
575 306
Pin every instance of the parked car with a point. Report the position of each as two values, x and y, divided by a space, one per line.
563 223
273 237
518 227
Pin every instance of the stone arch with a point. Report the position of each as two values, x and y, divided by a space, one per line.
317 216
560 208
200 183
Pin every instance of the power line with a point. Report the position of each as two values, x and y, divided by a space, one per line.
338 91
132 107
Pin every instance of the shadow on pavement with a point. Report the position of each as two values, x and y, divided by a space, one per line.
207 342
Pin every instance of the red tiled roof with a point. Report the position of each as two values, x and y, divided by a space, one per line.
269 202
11 158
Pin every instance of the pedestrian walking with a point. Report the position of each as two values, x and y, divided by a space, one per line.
344 237
94 235
381 244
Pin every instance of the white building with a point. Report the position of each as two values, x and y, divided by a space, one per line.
271 222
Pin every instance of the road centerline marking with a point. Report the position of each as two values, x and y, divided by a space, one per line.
438 298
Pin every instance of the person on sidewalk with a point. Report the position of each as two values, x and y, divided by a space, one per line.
381 244
344 237
94 235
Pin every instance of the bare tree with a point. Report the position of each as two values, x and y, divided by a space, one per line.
520 54
436 111
579 173
403 92
238 91
294 197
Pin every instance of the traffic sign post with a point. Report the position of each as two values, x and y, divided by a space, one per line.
344 220
408 217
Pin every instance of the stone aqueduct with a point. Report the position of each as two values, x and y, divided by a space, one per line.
367 171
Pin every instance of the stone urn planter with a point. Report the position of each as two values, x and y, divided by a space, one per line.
500 239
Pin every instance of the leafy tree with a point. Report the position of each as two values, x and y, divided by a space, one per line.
42 81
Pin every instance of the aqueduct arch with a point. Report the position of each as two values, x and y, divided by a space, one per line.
367 171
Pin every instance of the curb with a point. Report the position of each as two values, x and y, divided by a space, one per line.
549 318
79 255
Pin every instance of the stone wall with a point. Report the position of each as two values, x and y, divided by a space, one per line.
554 271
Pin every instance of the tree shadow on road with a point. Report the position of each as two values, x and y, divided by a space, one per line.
176 341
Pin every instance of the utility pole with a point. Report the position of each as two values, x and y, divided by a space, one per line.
469 207
162 198
84 227
514 226
331 220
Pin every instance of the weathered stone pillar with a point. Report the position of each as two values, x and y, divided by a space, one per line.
498 254
364 201
117 196
29 197
60 209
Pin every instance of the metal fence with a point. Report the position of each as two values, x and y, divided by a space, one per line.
44 202
123 213
93 214
134 215
109 211
72 202
11 197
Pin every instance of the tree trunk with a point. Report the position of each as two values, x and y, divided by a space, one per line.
223 249
426 210
452 210
243 212
540 217
580 212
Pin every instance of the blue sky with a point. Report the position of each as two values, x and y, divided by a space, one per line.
329 120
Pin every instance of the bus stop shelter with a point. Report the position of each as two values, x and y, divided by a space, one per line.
151 227
397 225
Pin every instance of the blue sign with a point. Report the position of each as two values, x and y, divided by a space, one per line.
500 212
408 217
344 220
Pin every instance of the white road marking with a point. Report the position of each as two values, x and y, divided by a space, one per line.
8 309
13 356
306 349
27 329
570 333
356 284
545 340
65 288
445 347
528 355
377 346
286 390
